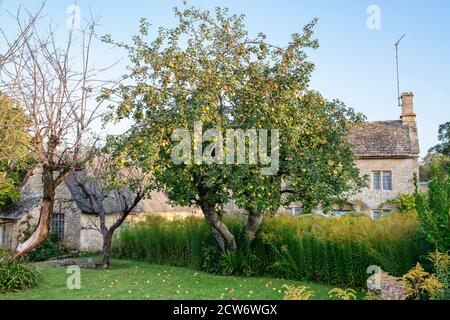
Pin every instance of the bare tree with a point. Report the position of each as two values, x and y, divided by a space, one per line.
103 189
12 46
13 124
61 94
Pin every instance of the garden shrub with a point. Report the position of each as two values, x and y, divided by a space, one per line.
405 203
241 263
211 261
441 266
16 275
297 293
341 294
49 249
420 285
314 248
434 209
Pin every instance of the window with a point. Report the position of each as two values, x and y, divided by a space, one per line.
377 181
296 211
6 237
382 180
58 224
380 214
387 181
341 213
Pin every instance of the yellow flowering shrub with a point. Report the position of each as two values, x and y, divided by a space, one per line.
420 285
297 293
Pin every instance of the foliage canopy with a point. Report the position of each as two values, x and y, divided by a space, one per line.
209 70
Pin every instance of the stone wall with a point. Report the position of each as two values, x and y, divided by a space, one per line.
402 180
72 216
171 216
90 236
63 203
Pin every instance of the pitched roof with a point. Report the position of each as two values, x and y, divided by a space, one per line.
383 139
156 201
16 211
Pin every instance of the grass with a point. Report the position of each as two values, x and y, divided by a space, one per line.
308 248
128 280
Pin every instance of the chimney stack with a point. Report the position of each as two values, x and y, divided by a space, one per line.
408 116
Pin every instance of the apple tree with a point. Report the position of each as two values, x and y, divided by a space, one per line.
205 82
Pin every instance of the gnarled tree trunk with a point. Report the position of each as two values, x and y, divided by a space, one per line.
107 241
46 213
220 231
108 233
254 222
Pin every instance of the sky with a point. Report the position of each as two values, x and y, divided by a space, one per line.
356 59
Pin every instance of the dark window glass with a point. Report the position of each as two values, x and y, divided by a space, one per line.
387 181
377 181
58 223
380 214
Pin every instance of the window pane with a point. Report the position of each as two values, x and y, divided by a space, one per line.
377 180
57 227
376 215
289 210
387 180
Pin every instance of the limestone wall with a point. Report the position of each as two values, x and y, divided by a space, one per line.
171 216
72 216
63 203
90 236
402 179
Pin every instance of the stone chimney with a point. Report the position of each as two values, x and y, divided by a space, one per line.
408 116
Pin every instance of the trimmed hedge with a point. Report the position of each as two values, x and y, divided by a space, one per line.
314 248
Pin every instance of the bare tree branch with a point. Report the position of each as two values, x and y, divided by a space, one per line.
93 188
61 93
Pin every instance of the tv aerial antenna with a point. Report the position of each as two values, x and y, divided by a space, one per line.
397 44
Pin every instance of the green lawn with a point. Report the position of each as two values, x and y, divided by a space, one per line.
141 281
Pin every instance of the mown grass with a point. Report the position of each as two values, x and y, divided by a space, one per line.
130 280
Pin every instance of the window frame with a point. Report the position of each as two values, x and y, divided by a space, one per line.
381 214
390 180
382 175
58 224
380 181
294 211
6 239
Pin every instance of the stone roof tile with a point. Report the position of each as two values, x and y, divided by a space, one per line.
384 139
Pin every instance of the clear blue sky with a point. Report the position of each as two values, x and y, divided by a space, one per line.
354 64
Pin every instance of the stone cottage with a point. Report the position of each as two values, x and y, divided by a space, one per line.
387 152
388 155
74 222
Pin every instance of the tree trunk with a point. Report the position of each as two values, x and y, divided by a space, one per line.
219 230
107 241
254 222
46 213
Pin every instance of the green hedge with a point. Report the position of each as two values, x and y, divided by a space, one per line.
329 250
